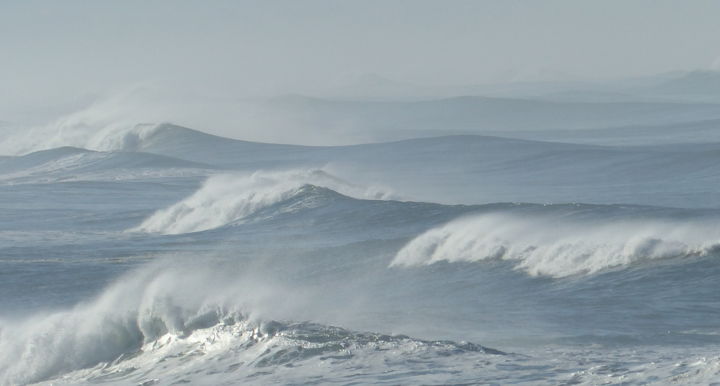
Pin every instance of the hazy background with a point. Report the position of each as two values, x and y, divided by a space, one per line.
200 63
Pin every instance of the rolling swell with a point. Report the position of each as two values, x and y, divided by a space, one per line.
543 240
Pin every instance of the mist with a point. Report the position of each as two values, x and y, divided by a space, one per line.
198 65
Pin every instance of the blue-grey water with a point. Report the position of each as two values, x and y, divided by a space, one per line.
176 257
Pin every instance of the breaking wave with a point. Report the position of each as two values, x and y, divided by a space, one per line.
192 318
110 123
229 198
556 247
68 133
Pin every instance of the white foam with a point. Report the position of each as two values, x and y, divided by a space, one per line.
140 308
557 247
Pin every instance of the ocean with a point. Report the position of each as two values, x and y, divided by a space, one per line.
162 255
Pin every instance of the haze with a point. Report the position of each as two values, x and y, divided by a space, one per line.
191 63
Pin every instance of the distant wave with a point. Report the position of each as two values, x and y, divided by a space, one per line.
158 138
229 198
192 318
69 163
559 247
67 133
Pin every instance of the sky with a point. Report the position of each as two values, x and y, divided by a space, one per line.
58 56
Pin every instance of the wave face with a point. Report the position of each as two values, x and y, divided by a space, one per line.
558 247
227 199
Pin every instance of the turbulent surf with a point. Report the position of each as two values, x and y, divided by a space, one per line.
156 254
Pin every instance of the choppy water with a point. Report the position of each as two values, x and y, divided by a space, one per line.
175 257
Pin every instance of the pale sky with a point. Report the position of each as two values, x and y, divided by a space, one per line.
63 53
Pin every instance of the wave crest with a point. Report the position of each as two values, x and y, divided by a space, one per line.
231 198
558 247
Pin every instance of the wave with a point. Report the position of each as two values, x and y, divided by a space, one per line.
108 136
231 198
68 133
195 316
239 351
163 139
454 169
69 163
124 121
555 246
